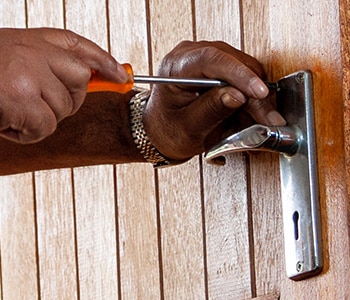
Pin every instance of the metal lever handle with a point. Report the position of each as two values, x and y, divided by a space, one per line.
259 137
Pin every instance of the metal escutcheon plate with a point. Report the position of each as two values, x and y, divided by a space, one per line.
299 180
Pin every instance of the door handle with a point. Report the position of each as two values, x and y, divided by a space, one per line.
296 144
286 139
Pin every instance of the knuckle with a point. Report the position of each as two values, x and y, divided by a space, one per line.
73 39
24 86
216 109
77 101
65 108
33 123
184 44
209 52
84 73
38 129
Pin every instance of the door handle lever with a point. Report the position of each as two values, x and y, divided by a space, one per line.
283 139
296 144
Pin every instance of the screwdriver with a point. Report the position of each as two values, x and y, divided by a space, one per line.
97 84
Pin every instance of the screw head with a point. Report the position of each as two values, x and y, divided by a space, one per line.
300 77
300 266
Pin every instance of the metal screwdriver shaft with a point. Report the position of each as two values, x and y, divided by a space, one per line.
184 81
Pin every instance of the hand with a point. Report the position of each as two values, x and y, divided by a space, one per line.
183 121
43 79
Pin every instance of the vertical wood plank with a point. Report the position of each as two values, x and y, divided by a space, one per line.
345 40
12 14
264 168
138 235
54 201
179 187
94 186
56 240
18 238
295 46
225 188
96 233
17 229
138 240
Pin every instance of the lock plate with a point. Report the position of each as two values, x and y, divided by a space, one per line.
299 180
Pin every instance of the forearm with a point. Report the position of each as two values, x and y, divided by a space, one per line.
99 133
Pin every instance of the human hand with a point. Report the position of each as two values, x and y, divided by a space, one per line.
183 121
43 79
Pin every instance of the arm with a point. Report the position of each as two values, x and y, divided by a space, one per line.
99 133
180 121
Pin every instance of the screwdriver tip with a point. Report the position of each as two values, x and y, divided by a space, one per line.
272 85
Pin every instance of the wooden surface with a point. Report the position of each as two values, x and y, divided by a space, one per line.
194 231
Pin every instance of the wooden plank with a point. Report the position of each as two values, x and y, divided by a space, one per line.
96 233
179 187
18 238
138 239
345 40
54 198
307 36
264 168
12 14
225 188
94 186
138 235
17 231
56 240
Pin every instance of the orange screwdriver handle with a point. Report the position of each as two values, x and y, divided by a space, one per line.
98 84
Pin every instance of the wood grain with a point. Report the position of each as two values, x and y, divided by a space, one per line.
19 279
179 187
18 238
136 191
225 188
54 202
313 42
264 168
344 13
94 191
193 231
56 234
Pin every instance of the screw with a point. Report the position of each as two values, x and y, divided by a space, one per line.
300 266
300 77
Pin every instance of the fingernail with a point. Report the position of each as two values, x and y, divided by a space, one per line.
275 118
232 101
258 88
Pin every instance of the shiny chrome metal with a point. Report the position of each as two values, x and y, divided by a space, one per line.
205 82
299 180
173 80
298 171
259 138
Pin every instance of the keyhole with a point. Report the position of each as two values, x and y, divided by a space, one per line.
296 225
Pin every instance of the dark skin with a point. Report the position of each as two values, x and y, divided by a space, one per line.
48 121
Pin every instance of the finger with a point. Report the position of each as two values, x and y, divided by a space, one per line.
28 124
219 64
263 112
212 62
73 75
213 107
248 60
87 51
62 102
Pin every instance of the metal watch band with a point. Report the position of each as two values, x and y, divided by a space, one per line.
149 152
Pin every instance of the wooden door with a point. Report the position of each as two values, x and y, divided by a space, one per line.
193 231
